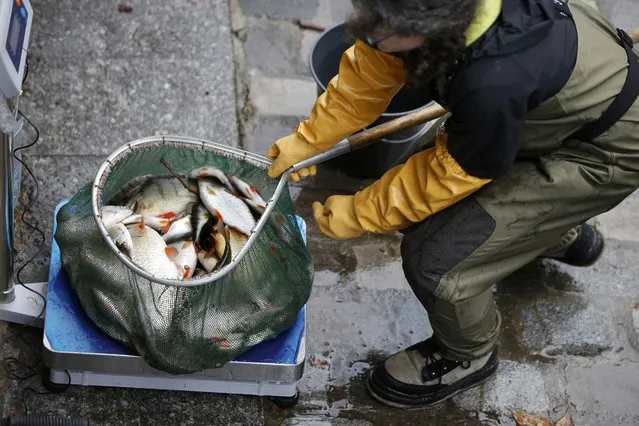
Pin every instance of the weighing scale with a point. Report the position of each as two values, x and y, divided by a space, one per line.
74 348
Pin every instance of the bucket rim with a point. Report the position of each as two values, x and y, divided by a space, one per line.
323 87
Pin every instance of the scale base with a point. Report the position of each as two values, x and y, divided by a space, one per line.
26 307
59 379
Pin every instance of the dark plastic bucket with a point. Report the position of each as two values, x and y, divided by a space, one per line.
372 161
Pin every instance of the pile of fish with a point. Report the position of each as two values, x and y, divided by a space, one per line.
177 228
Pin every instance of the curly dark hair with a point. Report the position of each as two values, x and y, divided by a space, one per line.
442 22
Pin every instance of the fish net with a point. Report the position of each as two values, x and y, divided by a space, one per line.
186 329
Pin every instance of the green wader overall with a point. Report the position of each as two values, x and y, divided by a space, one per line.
452 259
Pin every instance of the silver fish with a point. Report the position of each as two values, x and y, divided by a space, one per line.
249 192
179 230
186 257
166 198
157 223
237 241
212 172
126 195
136 218
199 217
229 208
208 261
213 247
114 214
151 253
121 237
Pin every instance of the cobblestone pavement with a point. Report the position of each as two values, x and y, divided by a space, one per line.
101 78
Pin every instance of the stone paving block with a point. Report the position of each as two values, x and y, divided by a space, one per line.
351 325
604 388
124 407
282 96
97 107
634 335
589 418
267 130
623 13
379 266
281 9
568 325
620 222
309 38
332 12
326 279
273 48
615 274
87 29
341 9
517 386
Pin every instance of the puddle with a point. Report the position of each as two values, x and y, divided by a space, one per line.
541 276
352 403
512 346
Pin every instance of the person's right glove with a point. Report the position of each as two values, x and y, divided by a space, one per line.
367 81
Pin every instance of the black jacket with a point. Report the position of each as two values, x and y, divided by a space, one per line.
525 58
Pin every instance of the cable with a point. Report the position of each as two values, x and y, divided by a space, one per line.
15 368
24 391
26 66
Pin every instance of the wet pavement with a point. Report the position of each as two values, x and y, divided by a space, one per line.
101 79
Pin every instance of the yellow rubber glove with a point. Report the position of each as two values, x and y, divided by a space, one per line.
428 182
336 219
366 82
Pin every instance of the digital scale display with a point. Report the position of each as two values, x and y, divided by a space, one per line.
17 29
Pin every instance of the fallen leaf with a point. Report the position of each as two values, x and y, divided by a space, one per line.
125 8
565 421
524 419
318 362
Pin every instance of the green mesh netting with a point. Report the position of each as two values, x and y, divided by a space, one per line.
179 329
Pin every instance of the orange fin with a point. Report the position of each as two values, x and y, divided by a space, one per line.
172 252
169 215
142 226
187 272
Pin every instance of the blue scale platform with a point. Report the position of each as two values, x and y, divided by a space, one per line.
69 329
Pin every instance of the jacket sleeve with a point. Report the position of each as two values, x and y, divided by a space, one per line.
428 182
367 81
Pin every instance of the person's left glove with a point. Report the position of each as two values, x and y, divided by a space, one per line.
289 151
430 181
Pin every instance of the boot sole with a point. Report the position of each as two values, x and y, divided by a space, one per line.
427 405
600 252
412 401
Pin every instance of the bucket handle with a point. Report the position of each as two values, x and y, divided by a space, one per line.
372 135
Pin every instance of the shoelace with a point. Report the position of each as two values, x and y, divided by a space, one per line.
436 367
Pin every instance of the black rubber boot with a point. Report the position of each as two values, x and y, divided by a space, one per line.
586 249
420 377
